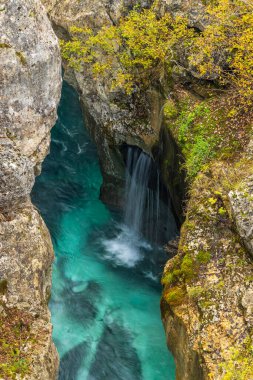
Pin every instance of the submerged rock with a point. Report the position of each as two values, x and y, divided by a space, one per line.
71 362
115 365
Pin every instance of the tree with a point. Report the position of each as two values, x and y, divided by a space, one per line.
143 47
136 52
225 47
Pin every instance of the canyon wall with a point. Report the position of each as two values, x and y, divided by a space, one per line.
30 72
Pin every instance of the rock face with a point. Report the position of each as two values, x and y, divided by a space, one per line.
207 312
30 90
241 202
242 207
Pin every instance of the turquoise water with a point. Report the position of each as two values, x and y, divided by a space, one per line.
105 293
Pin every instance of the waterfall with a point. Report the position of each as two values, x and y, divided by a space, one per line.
145 212
148 219
142 196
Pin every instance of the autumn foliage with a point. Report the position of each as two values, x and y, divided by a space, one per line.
136 52
145 46
225 48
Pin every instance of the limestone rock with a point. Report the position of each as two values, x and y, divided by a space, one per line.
16 176
26 256
242 207
214 316
30 80
30 77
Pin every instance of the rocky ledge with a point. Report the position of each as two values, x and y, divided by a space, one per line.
30 90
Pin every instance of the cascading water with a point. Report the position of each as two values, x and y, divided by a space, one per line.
138 171
105 298
143 213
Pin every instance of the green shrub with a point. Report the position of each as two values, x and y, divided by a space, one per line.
170 110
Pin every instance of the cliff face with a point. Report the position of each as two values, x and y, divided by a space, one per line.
30 91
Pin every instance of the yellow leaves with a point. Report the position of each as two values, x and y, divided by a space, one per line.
228 39
78 30
123 80
99 69
143 46
212 201
135 52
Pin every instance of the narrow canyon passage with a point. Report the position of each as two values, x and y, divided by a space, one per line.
106 293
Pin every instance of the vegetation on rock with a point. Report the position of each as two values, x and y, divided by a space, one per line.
210 264
224 49
240 364
145 46
133 54
14 343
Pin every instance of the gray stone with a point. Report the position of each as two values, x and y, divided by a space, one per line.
241 202
30 84
16 177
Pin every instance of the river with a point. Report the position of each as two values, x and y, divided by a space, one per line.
105 290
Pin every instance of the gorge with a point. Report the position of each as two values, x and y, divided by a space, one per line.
129 170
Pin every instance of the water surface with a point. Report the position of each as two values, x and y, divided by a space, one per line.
105 293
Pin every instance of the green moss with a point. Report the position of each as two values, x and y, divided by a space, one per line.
15 367
195 292
221 284
174 296
203 257
4 45
167 278
222 211
187 267
212 201
240 364
205 304
171 277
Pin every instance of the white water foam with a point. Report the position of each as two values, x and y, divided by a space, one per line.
126 248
